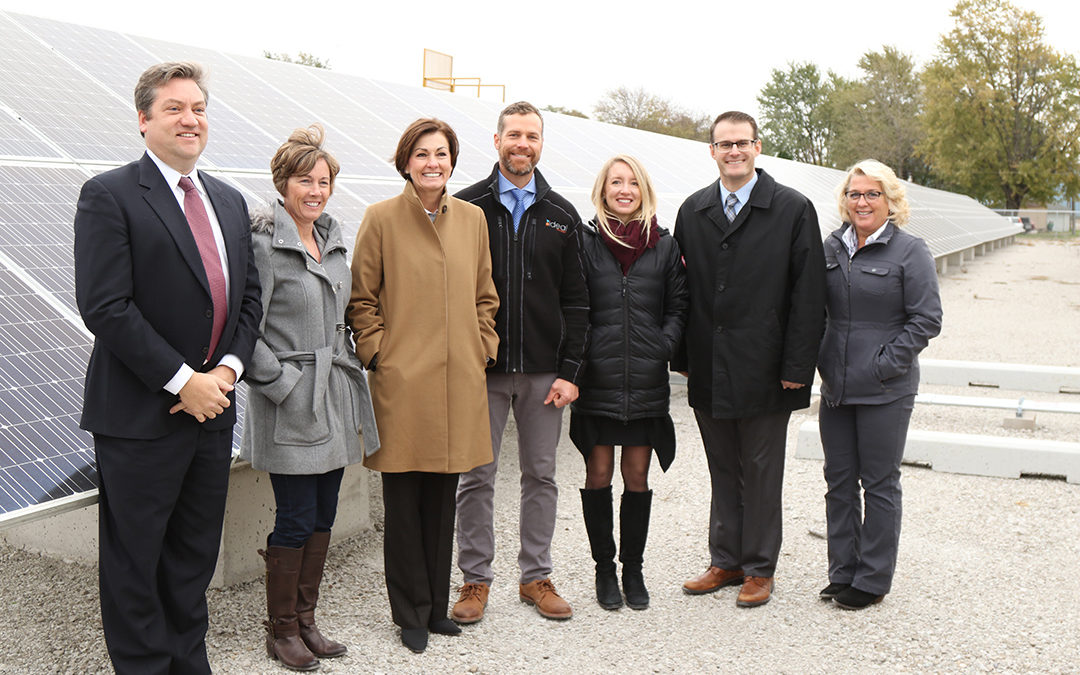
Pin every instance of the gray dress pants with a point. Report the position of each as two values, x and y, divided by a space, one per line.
538 427
746 464
864 444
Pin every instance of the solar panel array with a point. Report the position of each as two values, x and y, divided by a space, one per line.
66 113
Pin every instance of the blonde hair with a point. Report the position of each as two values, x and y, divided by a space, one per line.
895 194
644 213
299 155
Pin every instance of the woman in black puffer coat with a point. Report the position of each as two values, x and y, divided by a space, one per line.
638 304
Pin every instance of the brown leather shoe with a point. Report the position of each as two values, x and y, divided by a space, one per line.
755 591
541 593
713 579
471 603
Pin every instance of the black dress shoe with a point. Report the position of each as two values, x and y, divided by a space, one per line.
444 626
415 639
853 598
832 590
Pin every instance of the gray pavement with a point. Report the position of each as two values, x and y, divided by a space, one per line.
987 579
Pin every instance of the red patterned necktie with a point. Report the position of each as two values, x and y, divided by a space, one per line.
199 223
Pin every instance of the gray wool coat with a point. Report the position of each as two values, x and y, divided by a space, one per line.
883 307
308 398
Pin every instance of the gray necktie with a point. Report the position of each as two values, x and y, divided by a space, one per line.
729 206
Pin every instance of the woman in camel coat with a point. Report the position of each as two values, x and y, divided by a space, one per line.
423 317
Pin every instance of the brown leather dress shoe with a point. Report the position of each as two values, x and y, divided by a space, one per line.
755 591
471 603
713 579
541 593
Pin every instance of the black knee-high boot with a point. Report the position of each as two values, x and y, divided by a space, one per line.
633 531
596 507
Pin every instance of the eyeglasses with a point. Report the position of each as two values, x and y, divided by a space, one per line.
871 196
726 146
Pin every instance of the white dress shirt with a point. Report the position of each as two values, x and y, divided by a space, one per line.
172 178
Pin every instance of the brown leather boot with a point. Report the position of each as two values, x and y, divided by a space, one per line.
311 572
283 641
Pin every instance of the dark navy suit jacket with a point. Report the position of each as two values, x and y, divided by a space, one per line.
142 291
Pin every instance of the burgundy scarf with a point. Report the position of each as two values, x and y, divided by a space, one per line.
630 233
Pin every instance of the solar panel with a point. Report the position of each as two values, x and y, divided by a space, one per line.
66 112
42 360
61 102
17 140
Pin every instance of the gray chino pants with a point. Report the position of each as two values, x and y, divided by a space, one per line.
538 427
864 444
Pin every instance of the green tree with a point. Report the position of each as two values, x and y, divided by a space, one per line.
638 109
572 112
1000 108
797 113
877 116
304 59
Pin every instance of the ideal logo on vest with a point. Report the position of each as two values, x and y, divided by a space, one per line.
556 226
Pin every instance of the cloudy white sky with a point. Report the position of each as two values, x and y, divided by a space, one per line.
705 56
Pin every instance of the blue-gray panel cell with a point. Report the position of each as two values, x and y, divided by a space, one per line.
116 61
43 454
50 94
36 217
349 125
16 139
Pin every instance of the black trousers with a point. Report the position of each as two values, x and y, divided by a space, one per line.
161 506
746 464
418 543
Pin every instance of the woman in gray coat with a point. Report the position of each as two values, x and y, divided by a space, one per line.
308 397
883 308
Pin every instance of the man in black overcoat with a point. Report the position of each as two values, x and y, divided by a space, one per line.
756 273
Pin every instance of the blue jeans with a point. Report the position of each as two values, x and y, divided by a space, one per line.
306 504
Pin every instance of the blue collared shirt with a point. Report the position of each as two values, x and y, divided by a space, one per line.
742 193
507 197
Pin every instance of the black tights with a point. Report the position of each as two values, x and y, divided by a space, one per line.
600 467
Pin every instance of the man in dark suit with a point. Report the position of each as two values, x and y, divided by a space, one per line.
756 274
166 281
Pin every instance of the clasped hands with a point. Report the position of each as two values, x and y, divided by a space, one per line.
204 395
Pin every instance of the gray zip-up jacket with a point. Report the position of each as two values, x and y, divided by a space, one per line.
883 307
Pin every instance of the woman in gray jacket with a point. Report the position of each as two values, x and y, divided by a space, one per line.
308 397
883 308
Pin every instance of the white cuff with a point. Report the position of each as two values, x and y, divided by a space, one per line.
233 361
178 380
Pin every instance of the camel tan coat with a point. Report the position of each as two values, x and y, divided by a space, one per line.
423 301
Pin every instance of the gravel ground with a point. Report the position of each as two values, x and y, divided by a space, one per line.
987 579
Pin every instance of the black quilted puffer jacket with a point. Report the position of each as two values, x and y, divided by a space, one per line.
635 323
